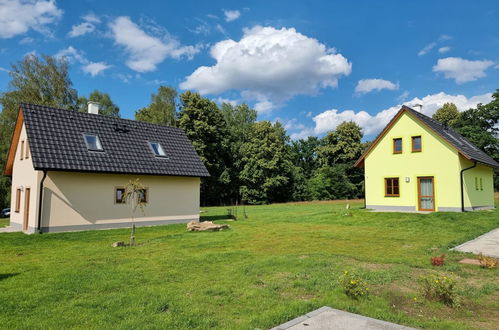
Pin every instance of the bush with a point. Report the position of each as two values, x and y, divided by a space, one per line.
439 288
438 261
353 285
488 262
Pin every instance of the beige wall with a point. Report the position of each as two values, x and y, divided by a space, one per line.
80 201
24 176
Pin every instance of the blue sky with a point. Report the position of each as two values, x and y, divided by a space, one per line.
309 65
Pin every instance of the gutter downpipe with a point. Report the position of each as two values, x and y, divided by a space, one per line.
462 184
40 201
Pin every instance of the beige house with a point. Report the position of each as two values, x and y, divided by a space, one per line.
69 169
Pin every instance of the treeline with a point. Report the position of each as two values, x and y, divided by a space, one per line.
250 161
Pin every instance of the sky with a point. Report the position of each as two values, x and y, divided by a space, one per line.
308 64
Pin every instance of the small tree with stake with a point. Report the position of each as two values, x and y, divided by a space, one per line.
135 196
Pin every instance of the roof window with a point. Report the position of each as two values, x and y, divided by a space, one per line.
92 141
157 150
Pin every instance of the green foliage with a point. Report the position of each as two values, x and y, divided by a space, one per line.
205 126
304 154
43 81
267 164
439 288
331 182
106 105
162 110
134 191
448 114
353 285
342 146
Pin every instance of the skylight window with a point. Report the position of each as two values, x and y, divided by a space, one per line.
157 150
92 141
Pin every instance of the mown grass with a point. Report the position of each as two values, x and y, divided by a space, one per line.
282 261
4 222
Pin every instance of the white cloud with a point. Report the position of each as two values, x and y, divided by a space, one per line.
88 25
442 50
427 48
26 41
94 68
72 55
221 100
368 85
270 66
231 15
403 96
146 51
462 70
373 124
19 16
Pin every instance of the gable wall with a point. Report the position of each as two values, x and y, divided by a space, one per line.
483 197
437 159
83 201
24 176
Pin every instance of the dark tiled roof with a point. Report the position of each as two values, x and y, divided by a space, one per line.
56 143
455 139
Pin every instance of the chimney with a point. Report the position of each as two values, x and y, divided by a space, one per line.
93 107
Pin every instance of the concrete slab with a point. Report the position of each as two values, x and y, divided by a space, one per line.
327 318
487 244
9 229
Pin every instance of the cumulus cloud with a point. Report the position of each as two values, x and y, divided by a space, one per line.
73 55
368 85
88 25
269 65
19 16
231 15
144 50
462 70
442 50
372 124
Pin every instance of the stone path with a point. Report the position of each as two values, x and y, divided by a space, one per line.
487 244
334 319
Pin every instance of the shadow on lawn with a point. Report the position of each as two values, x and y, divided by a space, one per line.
216 217
6 276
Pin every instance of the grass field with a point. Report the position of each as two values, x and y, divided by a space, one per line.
282 261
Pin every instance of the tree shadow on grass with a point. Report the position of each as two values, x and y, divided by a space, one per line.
216 217
6 276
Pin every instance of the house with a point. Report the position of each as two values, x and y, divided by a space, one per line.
69 170
418 164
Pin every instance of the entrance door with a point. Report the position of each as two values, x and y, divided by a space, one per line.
26 208
426 194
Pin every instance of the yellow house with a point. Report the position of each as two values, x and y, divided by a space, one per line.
417 164
69 170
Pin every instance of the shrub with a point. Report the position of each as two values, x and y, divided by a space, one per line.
488 262
438 261
353 285
439 288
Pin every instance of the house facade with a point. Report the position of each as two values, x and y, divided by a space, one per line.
417 164
69 170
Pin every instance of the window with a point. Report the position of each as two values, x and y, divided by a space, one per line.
476 183
143 196
18 200
397 146
92 141
27 150
157 150
22 150
481 184
416 143
392 187
119 196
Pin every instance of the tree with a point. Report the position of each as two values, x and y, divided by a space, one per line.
163 108
267 165
342 146
331 182
135 196
43 81
304 154
239 120
205 126
106 105
447 115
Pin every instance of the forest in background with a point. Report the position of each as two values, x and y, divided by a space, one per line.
250 161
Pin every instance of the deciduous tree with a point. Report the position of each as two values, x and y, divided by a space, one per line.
163 108
106 105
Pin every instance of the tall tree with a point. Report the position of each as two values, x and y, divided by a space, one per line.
205 126
267 165
331 182
106 105
163 108
305 154
447 115
342 146
43 81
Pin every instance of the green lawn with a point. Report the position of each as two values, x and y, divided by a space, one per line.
4 222
280 262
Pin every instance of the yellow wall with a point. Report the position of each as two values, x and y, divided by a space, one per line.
78 201
437 159
484 195
24 176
